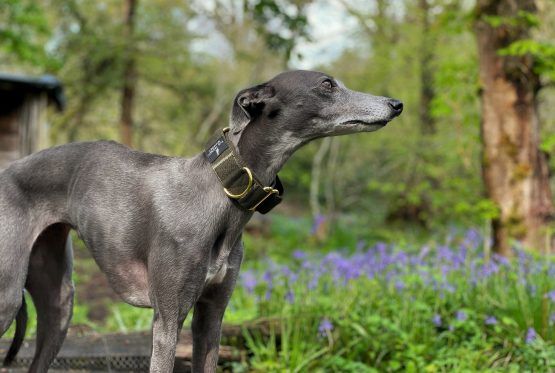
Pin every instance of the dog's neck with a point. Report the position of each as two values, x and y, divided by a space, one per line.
265 149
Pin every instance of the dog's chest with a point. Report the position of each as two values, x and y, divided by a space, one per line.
226 247
216 276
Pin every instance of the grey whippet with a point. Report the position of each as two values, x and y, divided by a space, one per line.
166 231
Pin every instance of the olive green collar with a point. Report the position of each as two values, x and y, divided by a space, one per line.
238 180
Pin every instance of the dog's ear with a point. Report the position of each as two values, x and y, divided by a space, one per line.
248 104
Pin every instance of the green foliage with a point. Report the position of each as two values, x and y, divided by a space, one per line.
542 52
282 23
548 144
125 318
522 19
23 28
461 320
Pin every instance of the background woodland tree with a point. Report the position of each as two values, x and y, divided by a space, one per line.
129 74
515 170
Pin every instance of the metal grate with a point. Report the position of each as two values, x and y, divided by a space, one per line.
118 353
109 363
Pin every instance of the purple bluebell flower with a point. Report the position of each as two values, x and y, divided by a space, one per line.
249 280
445 270
423 253
381 250
360 245
472 238
489 269
461 316
531 335
450 288
299 254
490 320
501 260
287 272
401 258
268 276
313 283
317 223
389 275
436 319
444 253
550 295
399 285
290 296
325 327
345 269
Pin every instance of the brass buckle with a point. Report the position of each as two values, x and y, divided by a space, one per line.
247 189
268 190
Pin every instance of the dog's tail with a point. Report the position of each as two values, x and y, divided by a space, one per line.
20 328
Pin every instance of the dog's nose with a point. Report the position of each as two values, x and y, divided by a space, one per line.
396 105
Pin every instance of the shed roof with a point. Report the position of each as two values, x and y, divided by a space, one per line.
44 83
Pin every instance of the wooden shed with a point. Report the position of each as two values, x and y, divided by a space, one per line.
23 103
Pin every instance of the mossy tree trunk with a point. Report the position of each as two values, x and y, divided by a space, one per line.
515 172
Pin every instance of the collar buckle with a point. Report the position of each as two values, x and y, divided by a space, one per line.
269 191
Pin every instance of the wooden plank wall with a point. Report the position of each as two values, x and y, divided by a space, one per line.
9 139
24 130
32 124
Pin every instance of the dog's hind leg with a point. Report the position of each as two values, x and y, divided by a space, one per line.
15 243
15 247
49 283
11 296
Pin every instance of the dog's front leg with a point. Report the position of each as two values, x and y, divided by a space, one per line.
165 330
208 315
175 285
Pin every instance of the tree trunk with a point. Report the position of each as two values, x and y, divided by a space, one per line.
129 76
315 177
427 124
514 170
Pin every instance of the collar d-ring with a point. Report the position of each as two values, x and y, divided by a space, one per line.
247 189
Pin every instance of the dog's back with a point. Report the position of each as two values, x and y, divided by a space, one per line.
49 176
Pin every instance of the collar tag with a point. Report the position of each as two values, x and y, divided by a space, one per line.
214 151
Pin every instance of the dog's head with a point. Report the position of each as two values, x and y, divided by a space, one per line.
309 105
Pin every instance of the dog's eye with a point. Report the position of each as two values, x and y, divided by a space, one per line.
327 84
